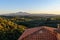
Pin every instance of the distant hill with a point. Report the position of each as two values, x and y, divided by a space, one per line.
17 14
41 14
28 14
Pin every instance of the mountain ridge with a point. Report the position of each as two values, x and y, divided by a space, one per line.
28 14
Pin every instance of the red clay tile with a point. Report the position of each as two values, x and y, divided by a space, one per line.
39 33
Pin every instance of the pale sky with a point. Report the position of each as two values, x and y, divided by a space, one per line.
30 6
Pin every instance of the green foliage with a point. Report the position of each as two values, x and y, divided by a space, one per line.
10 30
12 27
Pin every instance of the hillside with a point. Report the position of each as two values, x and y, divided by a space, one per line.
10 30
11 27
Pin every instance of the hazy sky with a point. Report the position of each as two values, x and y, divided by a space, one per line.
31 6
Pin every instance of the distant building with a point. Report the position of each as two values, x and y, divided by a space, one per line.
40 33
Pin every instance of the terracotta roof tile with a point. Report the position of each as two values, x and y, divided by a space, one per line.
32 30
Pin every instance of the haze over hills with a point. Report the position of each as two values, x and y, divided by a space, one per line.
17 14
42 14
28 14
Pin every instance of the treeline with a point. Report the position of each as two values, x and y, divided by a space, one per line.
37 22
